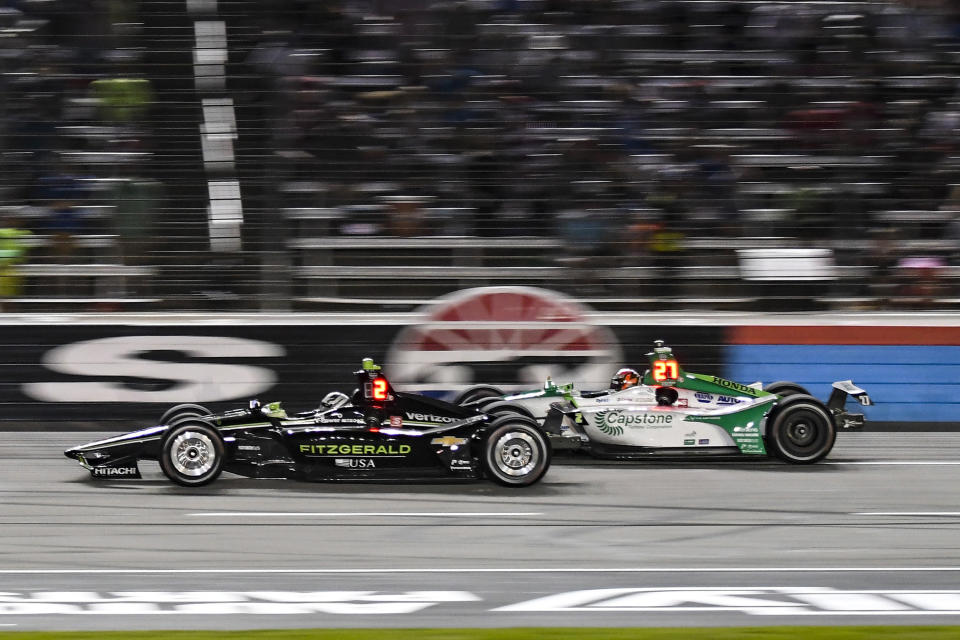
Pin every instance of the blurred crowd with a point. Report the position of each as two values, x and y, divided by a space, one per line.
626 129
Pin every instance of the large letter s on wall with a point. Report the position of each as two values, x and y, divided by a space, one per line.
119 357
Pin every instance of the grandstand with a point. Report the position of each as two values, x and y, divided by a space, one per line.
700 154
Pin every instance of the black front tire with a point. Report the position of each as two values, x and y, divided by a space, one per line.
186 410
516 453
473 394
192 454
801 430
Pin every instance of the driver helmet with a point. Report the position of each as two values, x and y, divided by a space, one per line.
624 379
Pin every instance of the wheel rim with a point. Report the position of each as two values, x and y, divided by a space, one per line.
516 454
193 454
803 434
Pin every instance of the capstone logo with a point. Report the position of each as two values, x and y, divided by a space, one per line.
613 423
606 427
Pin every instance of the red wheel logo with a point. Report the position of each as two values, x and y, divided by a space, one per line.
505 336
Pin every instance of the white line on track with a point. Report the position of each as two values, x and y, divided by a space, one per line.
906 513
352 514
487 570
901 462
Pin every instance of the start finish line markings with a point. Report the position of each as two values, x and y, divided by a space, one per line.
750 600
363 514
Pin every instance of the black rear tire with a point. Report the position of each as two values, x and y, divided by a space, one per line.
471 395
516 453
784 388
186 410
505 407
192 454
800 430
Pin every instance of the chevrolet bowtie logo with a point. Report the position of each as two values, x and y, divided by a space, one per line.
448 441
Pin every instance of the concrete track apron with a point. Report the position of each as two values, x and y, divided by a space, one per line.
868 537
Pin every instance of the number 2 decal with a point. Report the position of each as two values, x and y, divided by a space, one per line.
380 389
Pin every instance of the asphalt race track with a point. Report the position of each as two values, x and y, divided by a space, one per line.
872 536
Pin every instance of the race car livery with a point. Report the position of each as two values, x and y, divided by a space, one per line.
378 434
676 412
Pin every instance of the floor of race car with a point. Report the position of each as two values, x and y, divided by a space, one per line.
867 537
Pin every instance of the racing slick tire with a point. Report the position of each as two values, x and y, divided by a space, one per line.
192 454
187 410
783 388
800 430
516 453
471 395
503 407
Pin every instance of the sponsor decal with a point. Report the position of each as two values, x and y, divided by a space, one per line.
355 449
428 417
355 463
336 418
692 434
703 441
613 422
727 400
688 442
396 421
683 402
119 369
461 464
735 386
115 472
449 441
703 397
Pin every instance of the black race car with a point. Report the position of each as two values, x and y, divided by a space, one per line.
378 434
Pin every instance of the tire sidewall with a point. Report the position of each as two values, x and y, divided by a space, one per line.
784 388
505 407
475 394
504 426
777 438
180 411
166 464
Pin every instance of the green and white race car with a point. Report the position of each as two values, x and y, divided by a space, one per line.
671 411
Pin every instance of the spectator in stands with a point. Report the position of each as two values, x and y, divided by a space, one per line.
13 252
59 193
136 202
122 100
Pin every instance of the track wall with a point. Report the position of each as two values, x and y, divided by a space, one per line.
119 374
